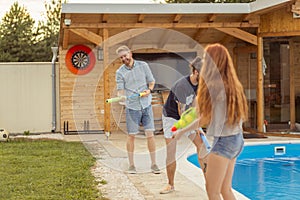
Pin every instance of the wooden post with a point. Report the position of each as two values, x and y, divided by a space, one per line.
235 59
106 82
292 87
260 84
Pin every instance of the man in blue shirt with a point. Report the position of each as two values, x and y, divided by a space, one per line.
132 78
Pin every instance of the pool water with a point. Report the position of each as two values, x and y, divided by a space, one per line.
269 171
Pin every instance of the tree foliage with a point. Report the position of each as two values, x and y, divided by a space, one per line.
48 31
21 41
16 35
209 1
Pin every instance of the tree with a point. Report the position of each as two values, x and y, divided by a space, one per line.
209 1
16 35
48 31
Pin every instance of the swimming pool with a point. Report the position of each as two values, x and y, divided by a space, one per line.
267 171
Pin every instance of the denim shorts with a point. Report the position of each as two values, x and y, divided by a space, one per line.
229 146
168 122
135 118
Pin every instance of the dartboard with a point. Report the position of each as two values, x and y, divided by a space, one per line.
80 59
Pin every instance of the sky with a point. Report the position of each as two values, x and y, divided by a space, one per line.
36 8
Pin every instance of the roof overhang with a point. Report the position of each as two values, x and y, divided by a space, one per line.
203 22
174 8
259 5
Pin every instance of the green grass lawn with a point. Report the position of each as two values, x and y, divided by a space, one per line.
41 169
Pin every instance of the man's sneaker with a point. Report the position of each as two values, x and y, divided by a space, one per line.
168 189
155 169
131 170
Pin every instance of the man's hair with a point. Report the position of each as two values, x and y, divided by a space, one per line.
196 64
122 48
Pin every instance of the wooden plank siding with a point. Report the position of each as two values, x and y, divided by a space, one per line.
279 23
82 96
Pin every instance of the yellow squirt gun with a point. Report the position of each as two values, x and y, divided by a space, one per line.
187 117
117 99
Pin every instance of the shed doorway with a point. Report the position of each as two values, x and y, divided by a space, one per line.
277 84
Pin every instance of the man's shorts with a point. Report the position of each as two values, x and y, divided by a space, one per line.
229 146
135 118
168 123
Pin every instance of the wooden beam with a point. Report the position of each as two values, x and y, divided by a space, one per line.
238 33
246 17
260 84
211 17
141 18
88 35
250 18
280 34
292 87
107 127
124 36
296 7
234 60
165 25
65 42
177 18
104 18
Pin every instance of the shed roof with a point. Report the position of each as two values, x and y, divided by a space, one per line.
183 8
203 22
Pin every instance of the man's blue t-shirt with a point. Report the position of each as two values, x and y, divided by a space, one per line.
183 91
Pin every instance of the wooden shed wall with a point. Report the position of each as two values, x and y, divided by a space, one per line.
80 99
279 23
82 96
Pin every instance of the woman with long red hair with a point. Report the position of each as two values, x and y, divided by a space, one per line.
222 108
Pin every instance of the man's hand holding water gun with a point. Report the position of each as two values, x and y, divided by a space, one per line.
122 97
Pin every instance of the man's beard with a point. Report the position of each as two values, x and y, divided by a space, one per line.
126 61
